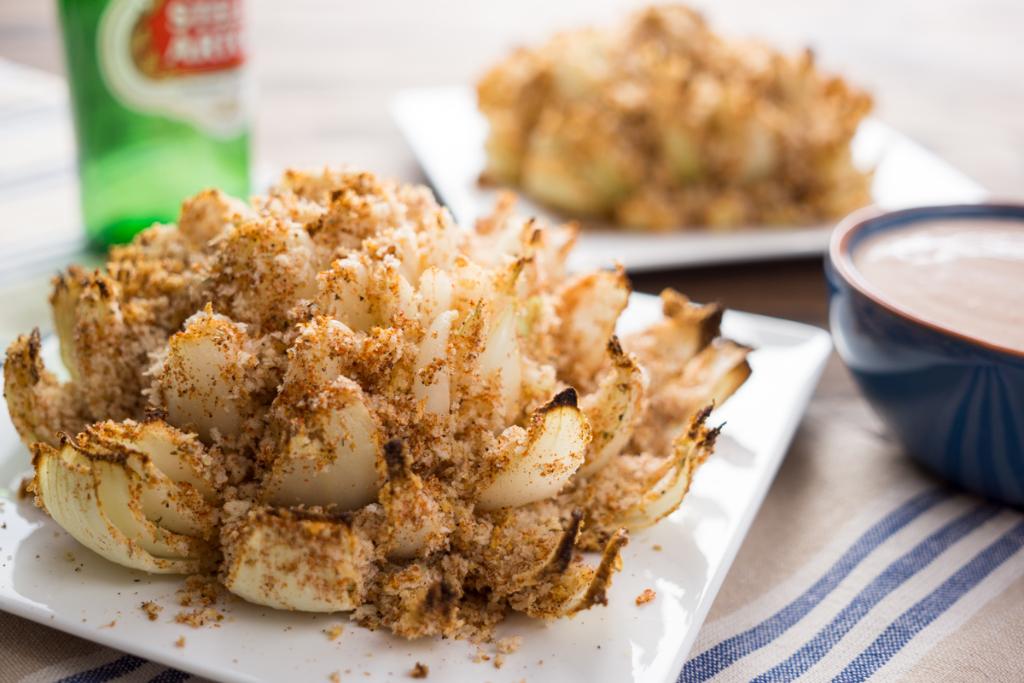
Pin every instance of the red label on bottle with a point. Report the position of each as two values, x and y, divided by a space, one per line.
180 59
196 36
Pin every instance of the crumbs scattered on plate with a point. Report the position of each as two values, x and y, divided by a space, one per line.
334 632
180 642
151 609
502 647
645 597
421 670
200 593
507 646
199 617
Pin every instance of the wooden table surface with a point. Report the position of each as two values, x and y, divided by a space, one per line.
950 74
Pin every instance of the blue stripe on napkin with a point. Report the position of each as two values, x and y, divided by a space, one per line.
713 660
106 672
932 606
885 583
170 676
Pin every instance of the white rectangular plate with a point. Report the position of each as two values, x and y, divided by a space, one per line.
446 133
620 642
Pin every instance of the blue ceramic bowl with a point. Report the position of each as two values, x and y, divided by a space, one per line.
955 402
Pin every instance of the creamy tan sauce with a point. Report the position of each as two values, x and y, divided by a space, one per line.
965 274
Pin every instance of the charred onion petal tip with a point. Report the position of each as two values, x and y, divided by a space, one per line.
614 346
712 437
563 553
597 593
699 419
566 397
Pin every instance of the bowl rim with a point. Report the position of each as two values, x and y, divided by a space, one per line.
841 257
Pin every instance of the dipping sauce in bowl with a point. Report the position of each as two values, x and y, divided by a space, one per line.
965 274
927 311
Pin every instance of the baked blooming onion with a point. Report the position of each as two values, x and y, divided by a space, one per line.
336 399
657 122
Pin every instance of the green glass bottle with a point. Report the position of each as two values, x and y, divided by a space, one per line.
158 92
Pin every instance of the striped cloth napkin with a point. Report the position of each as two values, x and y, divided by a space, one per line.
858 566
904 575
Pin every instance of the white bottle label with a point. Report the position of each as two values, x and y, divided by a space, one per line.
181 59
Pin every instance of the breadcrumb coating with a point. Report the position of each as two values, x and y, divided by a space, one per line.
334 399
658 123
645 597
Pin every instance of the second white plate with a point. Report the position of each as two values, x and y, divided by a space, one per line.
446 133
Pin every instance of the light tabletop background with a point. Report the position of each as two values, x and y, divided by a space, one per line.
948 73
